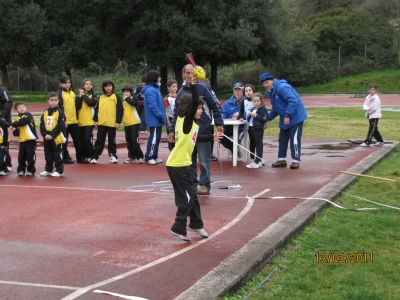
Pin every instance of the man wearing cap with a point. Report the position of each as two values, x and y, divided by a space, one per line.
286 103
230 110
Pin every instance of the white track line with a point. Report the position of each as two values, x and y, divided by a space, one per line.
81 291
41 285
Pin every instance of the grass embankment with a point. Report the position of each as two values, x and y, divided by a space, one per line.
362 246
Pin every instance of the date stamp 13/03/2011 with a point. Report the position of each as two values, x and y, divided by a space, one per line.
344 258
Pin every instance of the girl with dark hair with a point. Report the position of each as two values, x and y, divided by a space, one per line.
155 115
179 164
107 118
85 104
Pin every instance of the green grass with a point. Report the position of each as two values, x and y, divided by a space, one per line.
375 233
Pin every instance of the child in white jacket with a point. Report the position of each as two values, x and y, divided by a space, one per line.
372 108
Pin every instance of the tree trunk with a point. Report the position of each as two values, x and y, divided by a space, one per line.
214 77
164 79
5 75
178 74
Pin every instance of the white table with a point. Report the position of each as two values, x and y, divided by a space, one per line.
235 124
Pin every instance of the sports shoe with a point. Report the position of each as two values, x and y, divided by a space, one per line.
56 174
203 190
378 143
181 236
69 160
280 164
82 161
2 173
113 159
93 161
128 161
213 157
140 161
201 232
21 173
159 160
29 174
254 165
45 173
295 165
9 169
151 162
364 145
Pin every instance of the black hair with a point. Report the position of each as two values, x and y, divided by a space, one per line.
144 78
18 103
107 82
171 82
127 87
64 78
52 94
185 104
152 77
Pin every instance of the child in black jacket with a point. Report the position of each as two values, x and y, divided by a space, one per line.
256 118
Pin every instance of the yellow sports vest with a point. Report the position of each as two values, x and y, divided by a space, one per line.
107 110
2 136
50 123
69 107
25 132
131 116
181 155
85 114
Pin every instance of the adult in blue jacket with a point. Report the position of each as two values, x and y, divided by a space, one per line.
155 115
231 110
286 103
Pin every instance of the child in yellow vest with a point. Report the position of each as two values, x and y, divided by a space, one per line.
108 118
3 147
131 122
24 127
85 104
180 160
52 125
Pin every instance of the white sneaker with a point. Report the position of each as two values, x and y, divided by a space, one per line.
2 173
128 160
159 160
21 173
254 165
201 232
140 161
56 174
113 159
379 143
9 169
29 174
364 145
45 173
151 162
185 238
93 161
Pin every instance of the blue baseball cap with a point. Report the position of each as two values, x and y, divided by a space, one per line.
238 85
265 76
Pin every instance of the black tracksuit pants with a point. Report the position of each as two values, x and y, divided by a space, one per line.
373 131
73 130
27 157
185 199
132 141
86 135
54 156
102 133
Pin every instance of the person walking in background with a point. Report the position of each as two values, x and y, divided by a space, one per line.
139 95
5 114
52 126
131 121
287 104
155 115
211 109
24 127
85 104
257 117
67 102
179 164
169 104
372 108
108 117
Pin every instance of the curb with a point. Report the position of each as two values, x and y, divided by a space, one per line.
247 261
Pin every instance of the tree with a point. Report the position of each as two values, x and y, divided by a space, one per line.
23 36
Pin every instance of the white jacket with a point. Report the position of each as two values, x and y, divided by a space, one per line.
372 107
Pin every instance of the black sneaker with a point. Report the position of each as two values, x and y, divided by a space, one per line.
82 161
213 157
69 160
